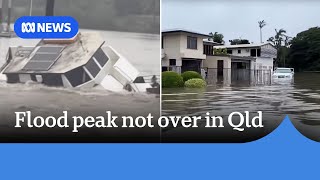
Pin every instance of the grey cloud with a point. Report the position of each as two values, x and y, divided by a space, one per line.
239 19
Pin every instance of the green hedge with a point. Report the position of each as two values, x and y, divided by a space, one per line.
190 75
195 83
171 79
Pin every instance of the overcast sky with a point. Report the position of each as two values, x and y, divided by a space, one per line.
239 18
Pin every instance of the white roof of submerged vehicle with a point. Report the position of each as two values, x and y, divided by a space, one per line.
78 62
284 70
71 55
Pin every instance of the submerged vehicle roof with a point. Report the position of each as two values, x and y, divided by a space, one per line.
284 68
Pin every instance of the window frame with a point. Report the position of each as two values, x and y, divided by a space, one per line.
189 42
175 62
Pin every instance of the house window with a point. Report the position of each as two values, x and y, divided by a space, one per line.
172 62
229 51
253 52
239 51
258 52
191 42
208 50
161 42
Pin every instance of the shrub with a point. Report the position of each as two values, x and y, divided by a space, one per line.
171 79
195 83
220 51
190 75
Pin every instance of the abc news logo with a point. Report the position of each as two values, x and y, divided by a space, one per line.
39 27
32 27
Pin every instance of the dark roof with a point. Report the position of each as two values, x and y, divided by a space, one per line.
183 31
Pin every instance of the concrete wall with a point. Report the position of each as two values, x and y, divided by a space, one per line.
264 63
212 61
244 52
171 49
191 53
211 65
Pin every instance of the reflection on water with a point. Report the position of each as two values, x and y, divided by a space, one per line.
300 100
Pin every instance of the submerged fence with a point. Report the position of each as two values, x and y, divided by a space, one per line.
238 76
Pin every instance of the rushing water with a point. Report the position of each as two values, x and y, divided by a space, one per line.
142 50
299 99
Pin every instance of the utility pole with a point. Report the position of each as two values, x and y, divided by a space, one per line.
9 15
1 11
5 15
50 8
30 8
261 25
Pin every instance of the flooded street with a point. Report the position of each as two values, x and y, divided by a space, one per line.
300 100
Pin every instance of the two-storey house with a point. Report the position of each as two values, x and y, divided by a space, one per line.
182 51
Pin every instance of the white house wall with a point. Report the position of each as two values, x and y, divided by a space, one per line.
175 47
191 53
244 52
171 46
212 62
264 63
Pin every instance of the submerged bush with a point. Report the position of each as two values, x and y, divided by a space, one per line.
190 75
171 79
195 83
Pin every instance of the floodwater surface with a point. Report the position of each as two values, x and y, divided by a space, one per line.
299 99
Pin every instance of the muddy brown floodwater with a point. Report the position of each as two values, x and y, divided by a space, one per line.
142 50
300 100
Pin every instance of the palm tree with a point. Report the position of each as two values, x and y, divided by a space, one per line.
281 42
216 37
261 25
279 37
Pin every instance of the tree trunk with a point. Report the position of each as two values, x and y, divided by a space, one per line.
260 35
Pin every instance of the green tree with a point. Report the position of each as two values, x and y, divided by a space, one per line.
220 51
239 41
216 37
278 38
281 42
304 52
